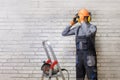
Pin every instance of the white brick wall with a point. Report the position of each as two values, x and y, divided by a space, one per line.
24 24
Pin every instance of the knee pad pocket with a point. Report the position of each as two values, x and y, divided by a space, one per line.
91 60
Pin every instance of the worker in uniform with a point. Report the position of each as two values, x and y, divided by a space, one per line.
86 62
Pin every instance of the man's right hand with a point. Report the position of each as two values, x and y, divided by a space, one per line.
74 21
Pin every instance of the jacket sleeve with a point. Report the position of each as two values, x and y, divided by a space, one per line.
93 30
68 31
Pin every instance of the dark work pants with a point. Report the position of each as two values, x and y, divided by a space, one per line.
86 64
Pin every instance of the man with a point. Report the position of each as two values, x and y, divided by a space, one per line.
85 45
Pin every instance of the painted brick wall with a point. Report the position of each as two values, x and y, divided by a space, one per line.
24 24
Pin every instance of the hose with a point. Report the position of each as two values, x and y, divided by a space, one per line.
67 73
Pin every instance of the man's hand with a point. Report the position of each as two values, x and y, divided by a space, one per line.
74 21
